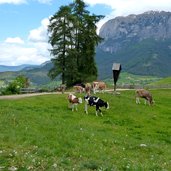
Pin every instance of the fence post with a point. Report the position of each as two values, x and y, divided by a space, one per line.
116 71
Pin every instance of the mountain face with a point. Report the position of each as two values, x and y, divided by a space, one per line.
4 68
141 43
121 30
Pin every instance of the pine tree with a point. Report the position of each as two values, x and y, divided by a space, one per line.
61 40
73 38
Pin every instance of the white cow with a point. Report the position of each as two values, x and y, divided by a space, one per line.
74 101
98 85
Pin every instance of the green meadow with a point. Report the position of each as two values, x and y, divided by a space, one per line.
41 133
162 82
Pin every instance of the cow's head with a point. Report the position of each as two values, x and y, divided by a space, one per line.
80 100
107 105
86 98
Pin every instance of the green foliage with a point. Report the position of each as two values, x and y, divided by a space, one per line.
12 88
15 86
73 38
42 133
147 57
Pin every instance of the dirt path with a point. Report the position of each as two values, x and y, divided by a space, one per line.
19 96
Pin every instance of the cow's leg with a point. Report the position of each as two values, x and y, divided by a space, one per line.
85 108
75 107
94 90
72 107
97 109
148 100
145 101
100 112
69 105
96 113
137 100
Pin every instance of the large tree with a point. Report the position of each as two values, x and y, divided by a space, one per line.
60 38
73 38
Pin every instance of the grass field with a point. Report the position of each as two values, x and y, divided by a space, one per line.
164 81
42 134
131 79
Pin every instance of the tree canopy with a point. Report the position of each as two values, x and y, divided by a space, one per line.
73 37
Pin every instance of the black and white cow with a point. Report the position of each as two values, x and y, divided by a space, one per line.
95 101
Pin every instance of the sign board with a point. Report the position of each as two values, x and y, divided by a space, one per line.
116 67
116 71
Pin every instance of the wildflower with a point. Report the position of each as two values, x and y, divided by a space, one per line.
13 168
143 145
54 165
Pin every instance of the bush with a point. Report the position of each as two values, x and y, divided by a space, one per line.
15 86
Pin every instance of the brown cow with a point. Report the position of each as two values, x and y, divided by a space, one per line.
88 89
74 101
141 93
61 88
79 88
98 85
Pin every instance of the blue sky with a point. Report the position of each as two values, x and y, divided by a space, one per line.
23 35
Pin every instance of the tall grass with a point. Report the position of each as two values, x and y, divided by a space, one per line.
42 133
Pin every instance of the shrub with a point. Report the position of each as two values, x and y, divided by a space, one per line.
15 86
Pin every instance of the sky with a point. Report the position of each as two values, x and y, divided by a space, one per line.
23 24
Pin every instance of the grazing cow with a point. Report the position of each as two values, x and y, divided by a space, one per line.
61 88
98 85
74 101
141 93
95 101
88 89
79 88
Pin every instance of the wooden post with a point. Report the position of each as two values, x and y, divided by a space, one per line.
116 71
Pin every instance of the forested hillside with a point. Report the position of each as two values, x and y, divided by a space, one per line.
148 57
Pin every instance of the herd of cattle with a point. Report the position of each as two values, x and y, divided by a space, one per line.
92 100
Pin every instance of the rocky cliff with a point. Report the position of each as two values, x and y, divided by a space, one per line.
139 41
121 30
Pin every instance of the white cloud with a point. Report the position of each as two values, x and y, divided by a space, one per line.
14 51
45 1
126 7
15 40
12 1
11 54
23 1
39 34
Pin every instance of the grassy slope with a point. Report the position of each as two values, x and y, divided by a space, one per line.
41 133
164 81
130 79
